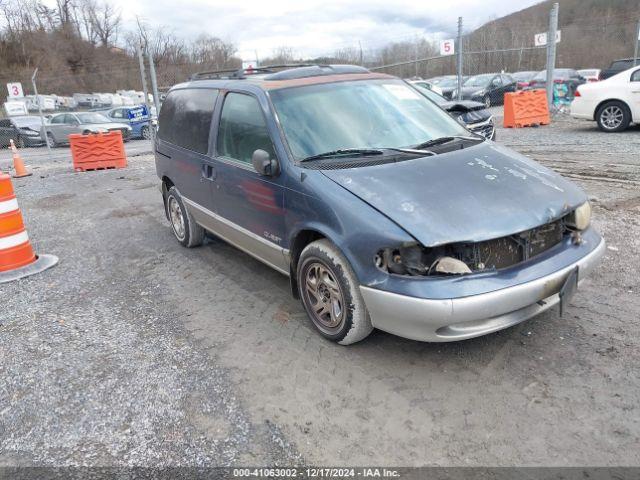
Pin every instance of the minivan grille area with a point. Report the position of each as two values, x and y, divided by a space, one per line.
510 250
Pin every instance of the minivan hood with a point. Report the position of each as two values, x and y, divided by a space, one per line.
482 192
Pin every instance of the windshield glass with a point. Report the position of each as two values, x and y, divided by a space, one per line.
520 76
359 114
557 73
430 94
447 82
478 80
92 118
28 122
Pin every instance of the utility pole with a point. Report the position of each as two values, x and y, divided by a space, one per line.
551 51
415 58
459 59
154 82
145 91
44 130
361 56
635 49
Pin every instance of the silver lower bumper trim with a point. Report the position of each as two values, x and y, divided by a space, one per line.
445 320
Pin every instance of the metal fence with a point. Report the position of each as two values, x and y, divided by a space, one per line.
591 41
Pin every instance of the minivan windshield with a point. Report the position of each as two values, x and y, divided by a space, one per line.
359 114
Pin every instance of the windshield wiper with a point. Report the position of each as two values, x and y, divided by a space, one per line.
441 140
345 152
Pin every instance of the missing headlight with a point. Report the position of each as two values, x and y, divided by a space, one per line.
415 260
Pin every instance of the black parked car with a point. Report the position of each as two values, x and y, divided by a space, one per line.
473 114
618 66
488 88
25 131
568 76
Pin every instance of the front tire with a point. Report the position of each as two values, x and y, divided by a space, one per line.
613 116
184 227
330 294
145 132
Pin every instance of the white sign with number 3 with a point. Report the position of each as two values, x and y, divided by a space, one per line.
447 47
15 89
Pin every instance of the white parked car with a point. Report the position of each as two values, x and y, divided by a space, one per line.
614 103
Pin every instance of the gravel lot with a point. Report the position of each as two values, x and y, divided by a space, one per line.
136 351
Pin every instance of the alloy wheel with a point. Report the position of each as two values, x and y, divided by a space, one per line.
324 298
612 117
177 219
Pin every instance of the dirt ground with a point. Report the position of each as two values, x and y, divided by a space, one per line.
136 351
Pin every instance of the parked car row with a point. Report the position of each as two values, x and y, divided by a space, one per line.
50 103
489 88
27 130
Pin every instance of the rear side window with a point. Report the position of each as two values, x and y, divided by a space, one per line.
242 128
185 118
635 76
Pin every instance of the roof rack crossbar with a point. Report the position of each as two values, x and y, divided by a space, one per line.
242 72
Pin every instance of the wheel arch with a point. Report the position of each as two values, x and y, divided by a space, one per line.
167 183
299 241
603 102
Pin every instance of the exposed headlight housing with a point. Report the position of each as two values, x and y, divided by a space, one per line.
580 218
415 260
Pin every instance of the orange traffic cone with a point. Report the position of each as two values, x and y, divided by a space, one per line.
18 164
17 258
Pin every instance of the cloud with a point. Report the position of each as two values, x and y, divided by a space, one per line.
313 27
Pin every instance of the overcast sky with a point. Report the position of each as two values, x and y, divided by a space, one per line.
315 27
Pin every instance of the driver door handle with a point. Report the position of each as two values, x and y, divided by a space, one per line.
208 172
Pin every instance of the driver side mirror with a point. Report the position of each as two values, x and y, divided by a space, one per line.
264 165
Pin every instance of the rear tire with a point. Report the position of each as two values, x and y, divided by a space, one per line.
184 227
613 116
330 294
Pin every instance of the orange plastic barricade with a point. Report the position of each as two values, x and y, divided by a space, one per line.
526 108
97 151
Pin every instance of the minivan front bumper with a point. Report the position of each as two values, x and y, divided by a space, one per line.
446 320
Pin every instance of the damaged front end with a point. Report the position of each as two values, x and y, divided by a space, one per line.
464 258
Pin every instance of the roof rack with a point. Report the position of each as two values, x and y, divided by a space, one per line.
238 73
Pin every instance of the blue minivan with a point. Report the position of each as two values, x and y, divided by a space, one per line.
383 210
